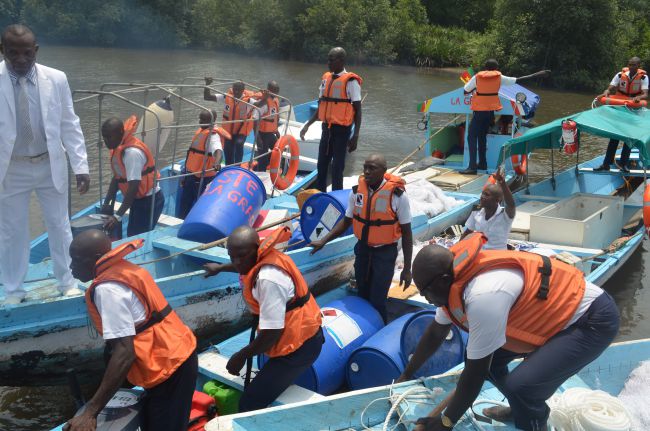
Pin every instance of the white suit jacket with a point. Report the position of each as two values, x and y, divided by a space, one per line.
62 129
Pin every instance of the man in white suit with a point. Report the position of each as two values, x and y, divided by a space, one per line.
38 127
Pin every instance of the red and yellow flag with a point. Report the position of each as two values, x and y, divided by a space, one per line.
467 75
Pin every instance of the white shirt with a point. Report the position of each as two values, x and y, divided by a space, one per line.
399 204
134 162
505 80
488 300
353 88
119 308
261 111
39 143
215 143
496 228
273 289
617 80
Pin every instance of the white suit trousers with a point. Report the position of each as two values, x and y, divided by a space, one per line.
21 180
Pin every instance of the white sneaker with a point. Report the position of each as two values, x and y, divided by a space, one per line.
73 291
13 300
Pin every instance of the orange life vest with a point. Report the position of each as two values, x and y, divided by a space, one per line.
269 121
303 318
486 98
551 295
631 87
373 219
196 154
162 342
149 172
237 110
334 105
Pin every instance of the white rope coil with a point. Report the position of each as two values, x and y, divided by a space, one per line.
581 409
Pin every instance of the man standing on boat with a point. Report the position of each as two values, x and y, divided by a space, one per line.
380 215
514 305
287 318
33 146
631 83
339 107
148 343
203 160
135 175
236 116
267 116
485 86
493 220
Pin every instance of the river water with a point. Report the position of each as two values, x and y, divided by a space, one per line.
389 126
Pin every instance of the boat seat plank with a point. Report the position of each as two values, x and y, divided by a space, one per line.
173 244
541 198
613 171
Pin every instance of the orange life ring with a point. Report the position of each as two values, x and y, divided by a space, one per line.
622 101
646 209
519 163
280 181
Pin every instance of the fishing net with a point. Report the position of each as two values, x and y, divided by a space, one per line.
635 396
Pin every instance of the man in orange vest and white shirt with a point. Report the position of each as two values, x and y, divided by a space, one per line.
380 215
485 85
288 318
134 174
236 116
513 304
630 83
203 159
339 107
267 116
149 344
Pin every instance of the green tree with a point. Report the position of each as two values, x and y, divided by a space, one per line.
574 38
469 14
409 19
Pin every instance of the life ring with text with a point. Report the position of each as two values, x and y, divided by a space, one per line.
282 181
620 101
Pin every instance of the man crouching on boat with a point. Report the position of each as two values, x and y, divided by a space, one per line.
149 343
514 305
289 329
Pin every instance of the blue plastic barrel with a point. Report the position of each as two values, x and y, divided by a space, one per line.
321 212
450 353
232 199
379 361
347 324
297 240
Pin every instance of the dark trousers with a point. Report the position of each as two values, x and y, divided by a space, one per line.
477 134
168 405
233 149
190 193
140 214
332 148
533 381
611 153
265 143
373 270
280 373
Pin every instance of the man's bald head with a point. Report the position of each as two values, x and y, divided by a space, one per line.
377 158
433 273
17 30
19 48
491 196
374 169
336 60
113 132
85 249
243 244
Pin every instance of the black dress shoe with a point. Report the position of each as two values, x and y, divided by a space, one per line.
624 169
601 168
468 171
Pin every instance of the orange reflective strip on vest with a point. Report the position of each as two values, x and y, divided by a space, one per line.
334 105
550 297
373 219
300 323
162 342
486 98
148 174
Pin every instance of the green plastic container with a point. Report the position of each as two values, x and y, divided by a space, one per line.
226 397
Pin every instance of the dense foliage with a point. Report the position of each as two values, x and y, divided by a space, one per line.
582 41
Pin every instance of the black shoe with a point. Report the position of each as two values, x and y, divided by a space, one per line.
601 168
468 171
482 167
624 169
